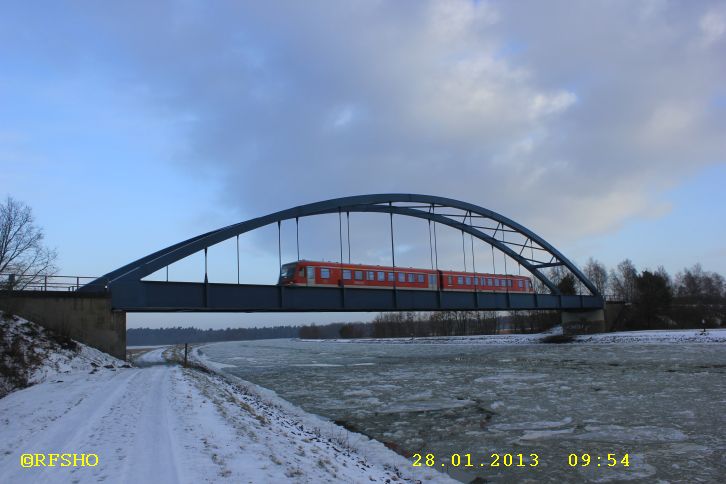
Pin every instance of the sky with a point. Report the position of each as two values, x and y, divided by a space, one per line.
130 126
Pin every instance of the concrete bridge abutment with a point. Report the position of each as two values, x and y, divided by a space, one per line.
583 322
591 320
84 316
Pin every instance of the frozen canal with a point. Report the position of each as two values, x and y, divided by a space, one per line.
662 404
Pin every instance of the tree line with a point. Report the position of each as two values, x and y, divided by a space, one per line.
693 298
178 335
438 323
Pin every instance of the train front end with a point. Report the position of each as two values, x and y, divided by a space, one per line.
287 274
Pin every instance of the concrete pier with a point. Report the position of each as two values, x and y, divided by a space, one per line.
593 320
583 322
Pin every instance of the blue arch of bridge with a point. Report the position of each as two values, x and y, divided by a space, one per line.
381 203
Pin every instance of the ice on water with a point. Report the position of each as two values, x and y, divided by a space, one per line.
660 403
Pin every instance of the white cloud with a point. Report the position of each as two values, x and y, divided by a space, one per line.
713 27
545 105
670 123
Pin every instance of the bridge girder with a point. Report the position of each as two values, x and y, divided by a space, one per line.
380 203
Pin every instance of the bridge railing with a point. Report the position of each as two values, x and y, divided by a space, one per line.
45 282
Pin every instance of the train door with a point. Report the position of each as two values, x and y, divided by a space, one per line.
432 281
310 273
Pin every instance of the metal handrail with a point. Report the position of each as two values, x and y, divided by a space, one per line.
44 282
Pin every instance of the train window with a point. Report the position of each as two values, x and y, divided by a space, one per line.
381 276
324 273
468 281
401 277
460 280
371 276
432 280
411 277
358 275
519 284
288 270
496 282
421 278
346 273
391 277
490 282
510 282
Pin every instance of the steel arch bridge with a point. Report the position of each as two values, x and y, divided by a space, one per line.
129 292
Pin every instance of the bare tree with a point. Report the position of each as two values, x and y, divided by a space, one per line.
597 273
623 280
556 274
696 284
539 286
23 257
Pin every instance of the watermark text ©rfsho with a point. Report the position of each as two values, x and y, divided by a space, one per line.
59 460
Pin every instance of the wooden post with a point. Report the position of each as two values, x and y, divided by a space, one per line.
186 351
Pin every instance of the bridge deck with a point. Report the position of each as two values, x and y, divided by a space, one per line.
154 296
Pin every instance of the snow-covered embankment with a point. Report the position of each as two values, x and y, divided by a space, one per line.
31 354
310 440
164 423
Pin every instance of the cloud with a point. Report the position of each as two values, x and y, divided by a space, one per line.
713 26
566 117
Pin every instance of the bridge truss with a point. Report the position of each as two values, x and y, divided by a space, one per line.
130 292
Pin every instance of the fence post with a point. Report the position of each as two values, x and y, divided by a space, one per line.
186 351
45 283
78 283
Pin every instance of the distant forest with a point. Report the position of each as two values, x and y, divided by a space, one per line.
693 298
167 336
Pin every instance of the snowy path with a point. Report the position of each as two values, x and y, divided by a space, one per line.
166 424
123 419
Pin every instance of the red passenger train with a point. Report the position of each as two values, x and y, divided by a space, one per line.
333 274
